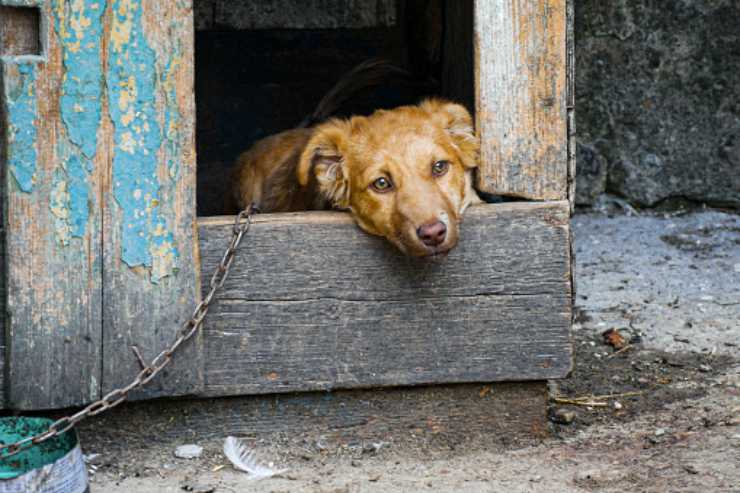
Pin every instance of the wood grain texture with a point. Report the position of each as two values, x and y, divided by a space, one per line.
520 64
442 416
52 219
294 14
314 303
150 251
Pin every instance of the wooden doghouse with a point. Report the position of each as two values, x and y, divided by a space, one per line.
103 248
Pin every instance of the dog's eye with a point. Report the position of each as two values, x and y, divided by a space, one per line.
382 184
440 168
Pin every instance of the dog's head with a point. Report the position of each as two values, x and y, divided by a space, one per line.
404 174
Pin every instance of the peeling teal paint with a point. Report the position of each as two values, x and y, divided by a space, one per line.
79 28
69 202
78 25
22 115
172 114
132 81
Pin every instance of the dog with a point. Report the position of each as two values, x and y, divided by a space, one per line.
405 174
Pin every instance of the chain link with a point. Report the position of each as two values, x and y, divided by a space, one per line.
242 223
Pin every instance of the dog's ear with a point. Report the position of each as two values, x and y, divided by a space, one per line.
325 155
458 123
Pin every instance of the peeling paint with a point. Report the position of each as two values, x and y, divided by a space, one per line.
132 80
22 115
79 27
59 205
69 200
78 24
172 116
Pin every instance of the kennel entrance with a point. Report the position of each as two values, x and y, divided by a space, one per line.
104 248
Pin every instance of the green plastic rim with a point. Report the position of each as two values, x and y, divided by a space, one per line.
18 428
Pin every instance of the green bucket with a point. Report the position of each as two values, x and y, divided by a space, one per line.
54 466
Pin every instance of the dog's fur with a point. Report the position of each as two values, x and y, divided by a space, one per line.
337 164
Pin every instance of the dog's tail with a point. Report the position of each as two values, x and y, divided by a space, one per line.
366 75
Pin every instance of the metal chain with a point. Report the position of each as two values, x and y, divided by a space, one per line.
241 226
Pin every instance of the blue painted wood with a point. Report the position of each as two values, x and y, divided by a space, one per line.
53 216
150 251
100 215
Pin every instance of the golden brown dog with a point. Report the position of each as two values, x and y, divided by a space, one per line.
403 174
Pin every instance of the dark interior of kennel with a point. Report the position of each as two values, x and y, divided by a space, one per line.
258 74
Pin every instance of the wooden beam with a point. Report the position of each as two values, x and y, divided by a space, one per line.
151 268
521 93
490 413
53 169
314 303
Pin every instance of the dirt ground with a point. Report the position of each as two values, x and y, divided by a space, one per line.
669 283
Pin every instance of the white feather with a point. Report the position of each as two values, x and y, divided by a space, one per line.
245 459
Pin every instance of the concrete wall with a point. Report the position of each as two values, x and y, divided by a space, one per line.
658 100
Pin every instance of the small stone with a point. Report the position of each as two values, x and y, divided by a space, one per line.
198 488
189 451
617 405
705 368
597 476
660 432
690 469
356 463
562 416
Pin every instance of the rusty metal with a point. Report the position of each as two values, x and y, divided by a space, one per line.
188 329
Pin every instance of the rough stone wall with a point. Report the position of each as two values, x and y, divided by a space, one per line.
658 100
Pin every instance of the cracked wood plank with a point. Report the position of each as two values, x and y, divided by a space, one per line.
52 173
313 303
150 252
521 97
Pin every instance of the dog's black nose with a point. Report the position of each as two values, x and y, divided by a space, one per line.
432 234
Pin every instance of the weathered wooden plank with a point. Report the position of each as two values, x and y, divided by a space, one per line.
150 250
314 303
294 14
520 63
54 161
19 31
445 415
